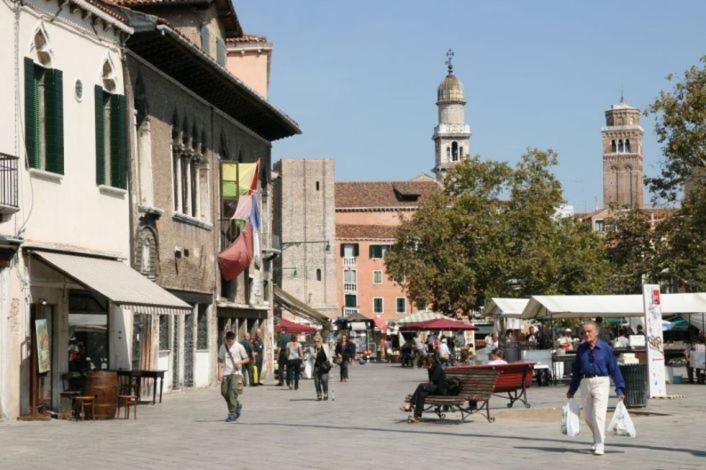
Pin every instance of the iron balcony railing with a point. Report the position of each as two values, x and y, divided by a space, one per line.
9 199
348 262
349 287
350 310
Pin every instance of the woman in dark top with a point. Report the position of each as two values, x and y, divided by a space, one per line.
322 366
437 385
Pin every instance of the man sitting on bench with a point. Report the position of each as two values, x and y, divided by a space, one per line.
437 385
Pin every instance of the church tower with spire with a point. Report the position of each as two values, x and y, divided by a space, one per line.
452 136
623 174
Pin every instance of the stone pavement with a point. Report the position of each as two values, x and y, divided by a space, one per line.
362 428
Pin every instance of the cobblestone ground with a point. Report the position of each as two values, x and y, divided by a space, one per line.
362 428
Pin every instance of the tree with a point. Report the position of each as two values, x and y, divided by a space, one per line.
630 250
493 231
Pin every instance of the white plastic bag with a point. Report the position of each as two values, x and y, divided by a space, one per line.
570 423
621 424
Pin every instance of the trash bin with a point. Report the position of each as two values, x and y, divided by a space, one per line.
512 352
636 384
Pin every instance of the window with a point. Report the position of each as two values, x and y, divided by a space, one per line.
377 304
627 145
44 117
620 146
351 301
349 276
613 146
190 171
205 40
378 251
454 152
460 151
317 186
202 327
401 305
448 152
377 277
349 250
111 144
318 274
600 225
164 332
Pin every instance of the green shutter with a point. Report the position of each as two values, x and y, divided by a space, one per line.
118 177
54 129
31 104
100 148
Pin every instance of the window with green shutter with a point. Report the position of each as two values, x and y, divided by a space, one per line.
44 117
111 139
401 305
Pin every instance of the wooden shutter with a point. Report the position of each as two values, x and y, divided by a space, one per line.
54 112
31 113
100 147
356 251
118 164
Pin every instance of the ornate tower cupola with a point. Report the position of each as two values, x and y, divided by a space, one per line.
452 135
622 157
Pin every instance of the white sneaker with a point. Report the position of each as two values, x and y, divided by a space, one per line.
599 450
593 447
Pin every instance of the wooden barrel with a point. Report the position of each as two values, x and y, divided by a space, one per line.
103 384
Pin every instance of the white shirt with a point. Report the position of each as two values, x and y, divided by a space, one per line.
239 354
497 362
444 351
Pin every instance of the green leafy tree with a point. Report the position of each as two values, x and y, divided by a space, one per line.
629 249
493 231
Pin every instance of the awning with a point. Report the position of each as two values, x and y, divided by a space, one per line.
117 281
290 303
438 324
422 315
295 328
505 307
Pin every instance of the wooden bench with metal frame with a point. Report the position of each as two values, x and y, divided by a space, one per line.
476 389
514 379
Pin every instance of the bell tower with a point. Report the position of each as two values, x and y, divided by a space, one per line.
452 135
622 157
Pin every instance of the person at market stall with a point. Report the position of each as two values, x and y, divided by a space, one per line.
322 365
565 342
491 341
231 357
496 358
295 355
621 341
437 385
692 348
593 368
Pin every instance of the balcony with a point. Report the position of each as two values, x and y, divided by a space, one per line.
350 287
9 200
349 262
350 311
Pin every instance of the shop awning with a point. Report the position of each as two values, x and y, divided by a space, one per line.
505 307
438 324
290 303
295 328
422 315
117 281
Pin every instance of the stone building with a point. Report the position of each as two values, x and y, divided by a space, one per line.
452 135
367 217
191 116
304 221
623 174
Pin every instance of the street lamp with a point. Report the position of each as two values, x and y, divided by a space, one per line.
327 244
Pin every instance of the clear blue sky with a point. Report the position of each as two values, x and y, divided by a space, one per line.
360 77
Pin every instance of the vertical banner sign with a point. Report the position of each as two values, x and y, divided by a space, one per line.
43 351
654 340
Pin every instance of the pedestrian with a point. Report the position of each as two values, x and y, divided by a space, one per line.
496 358
231 357
247 368
258 353
322 365
444 353
284 338
594 366
345 353
294 362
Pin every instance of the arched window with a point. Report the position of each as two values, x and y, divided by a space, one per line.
318 274
318 187
454 151
613 146
620 146
41 46
627 145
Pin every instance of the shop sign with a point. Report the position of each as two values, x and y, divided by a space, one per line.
654 340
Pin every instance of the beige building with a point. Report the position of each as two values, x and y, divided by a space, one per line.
623 172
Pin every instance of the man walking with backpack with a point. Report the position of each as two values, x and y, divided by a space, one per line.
231 357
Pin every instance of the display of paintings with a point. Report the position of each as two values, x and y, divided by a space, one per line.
43 347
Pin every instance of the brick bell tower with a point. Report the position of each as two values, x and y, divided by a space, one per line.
622 157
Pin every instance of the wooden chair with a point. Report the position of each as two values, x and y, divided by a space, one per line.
85 402
126 401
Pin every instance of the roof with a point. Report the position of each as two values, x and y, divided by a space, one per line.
117 281
383 194
226 11
505 307
586 306
290 303
450 90
157 42
247 37
366 231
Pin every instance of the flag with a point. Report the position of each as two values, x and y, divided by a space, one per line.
244 209
237 257
255 222
239 179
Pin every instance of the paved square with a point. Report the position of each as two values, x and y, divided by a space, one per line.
362 428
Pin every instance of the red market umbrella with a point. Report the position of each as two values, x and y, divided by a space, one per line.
380 323
296 328
438 324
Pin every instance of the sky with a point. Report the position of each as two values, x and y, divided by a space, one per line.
360 77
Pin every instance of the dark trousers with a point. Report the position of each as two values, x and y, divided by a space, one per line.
282 365
321 382
246 369
344 369
293 370
258 363
420 394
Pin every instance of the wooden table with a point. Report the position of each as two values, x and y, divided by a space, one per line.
138 375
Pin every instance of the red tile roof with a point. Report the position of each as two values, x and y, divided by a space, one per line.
248 37
383 194
366 231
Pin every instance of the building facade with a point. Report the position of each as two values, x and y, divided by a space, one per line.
623 172
304 221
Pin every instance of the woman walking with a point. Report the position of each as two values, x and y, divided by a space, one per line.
322 366
294 362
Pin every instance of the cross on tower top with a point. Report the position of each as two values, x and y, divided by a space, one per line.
449 59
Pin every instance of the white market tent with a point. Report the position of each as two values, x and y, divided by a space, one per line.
585 306
506 312
422 315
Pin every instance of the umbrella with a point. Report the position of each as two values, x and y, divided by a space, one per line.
295 328
380 323
438 324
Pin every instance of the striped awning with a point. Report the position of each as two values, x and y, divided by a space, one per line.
420 316
117 281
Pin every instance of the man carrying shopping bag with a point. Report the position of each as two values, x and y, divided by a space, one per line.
595 365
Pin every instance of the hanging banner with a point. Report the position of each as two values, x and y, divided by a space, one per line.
43 351
239 179
655 340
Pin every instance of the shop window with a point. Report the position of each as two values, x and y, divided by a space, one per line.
88 333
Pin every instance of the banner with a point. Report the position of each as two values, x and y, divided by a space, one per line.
238 179
654 340
43 351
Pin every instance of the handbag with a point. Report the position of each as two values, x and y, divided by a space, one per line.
239 385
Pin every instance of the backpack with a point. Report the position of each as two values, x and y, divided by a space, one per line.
453 385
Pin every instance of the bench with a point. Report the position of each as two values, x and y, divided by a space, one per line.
514 379
476 388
